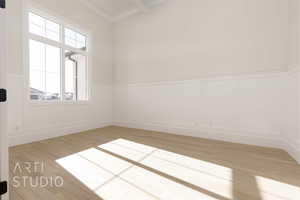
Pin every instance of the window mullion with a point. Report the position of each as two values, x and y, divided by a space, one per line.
62 64
45 40
45 46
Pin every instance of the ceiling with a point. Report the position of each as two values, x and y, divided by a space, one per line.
115 10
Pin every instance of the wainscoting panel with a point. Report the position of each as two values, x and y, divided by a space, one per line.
247 109
292 119
29 122
261 109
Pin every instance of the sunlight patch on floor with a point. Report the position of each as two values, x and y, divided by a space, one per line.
166 175
123 151
208 176
161 187
105 174
272 189
134 146
105 161
119 189
205 181
88 173
195 164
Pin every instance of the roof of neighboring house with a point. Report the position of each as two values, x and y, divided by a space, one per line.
33 90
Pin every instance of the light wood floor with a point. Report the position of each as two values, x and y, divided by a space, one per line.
151 165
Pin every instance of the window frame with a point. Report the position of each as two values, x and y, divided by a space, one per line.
63 23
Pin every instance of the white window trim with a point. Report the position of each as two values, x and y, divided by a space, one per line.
27 8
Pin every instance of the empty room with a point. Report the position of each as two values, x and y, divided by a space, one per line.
150 99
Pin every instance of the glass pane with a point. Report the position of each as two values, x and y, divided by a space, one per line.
44 63
70 37
52 72
81 41
69 79
43 27
37 70
75 39
75 76
52 30
37 24
81 78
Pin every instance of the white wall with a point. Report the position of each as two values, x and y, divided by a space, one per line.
211 68
29 122
292 123
247 109
291 136
183 40
191 41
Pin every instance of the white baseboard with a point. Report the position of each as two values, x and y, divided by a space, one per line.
223 135
210 133
28 136
292 150
24 137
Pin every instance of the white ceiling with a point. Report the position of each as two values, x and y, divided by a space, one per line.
118 9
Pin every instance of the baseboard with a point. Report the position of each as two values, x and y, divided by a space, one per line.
210 133
24 137
292 150
28 136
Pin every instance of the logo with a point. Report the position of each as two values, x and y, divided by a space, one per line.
32 175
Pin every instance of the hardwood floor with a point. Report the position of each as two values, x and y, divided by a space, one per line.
126 164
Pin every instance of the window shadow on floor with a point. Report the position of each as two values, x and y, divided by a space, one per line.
244 186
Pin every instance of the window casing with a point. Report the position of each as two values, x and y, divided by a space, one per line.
58 61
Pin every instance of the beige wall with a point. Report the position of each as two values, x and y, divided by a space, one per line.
15 51
292 119
294 34
185 40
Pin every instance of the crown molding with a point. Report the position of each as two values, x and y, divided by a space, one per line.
125 15
140 7
99 12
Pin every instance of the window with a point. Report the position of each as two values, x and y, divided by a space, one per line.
58 58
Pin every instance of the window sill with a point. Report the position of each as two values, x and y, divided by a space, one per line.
57 103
